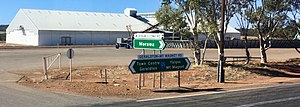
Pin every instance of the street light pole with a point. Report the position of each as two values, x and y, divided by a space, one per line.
221 72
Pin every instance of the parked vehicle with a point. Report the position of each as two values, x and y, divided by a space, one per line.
124 42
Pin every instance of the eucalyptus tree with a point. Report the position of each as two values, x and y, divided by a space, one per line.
294 6
175 13
294 20
243 22
172 20
289 30
266 18
201 16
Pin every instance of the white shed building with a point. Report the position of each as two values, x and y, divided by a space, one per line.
49 27
231 33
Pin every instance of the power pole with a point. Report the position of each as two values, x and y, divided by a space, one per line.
221 72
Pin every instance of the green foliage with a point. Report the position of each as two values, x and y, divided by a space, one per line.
175 15
268 17
203 16
287 33
172 20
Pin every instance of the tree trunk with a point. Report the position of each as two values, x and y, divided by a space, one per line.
197 51
247 50
197 54
204 50
263 55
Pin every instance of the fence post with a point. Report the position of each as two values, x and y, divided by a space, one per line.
105 73
59 61
45 68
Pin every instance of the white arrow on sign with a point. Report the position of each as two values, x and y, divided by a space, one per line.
131 67
188 63
162 44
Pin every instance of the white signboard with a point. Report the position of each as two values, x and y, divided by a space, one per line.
148 35
160 56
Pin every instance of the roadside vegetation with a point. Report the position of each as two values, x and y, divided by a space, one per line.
269 19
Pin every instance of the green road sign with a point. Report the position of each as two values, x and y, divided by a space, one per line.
151 44
156 65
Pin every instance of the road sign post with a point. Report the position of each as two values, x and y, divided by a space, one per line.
178 76
70 55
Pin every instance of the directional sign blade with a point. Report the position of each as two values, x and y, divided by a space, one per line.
153 44
148 35
157 65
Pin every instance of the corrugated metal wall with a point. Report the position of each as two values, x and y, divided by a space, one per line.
52 38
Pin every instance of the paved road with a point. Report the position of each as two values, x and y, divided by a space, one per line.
278 96
20 60
14 95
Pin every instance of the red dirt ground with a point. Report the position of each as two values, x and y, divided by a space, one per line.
121 83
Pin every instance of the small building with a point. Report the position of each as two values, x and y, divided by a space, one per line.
51 27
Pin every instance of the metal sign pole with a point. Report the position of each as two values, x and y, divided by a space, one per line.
154 74
178 78
140 77
71 69
160 76
143 74
70 55
143 80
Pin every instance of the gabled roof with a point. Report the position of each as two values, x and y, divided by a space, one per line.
82 21
231 30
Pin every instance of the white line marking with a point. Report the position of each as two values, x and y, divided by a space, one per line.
270 102
209 93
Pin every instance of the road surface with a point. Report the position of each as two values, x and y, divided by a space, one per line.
278 96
